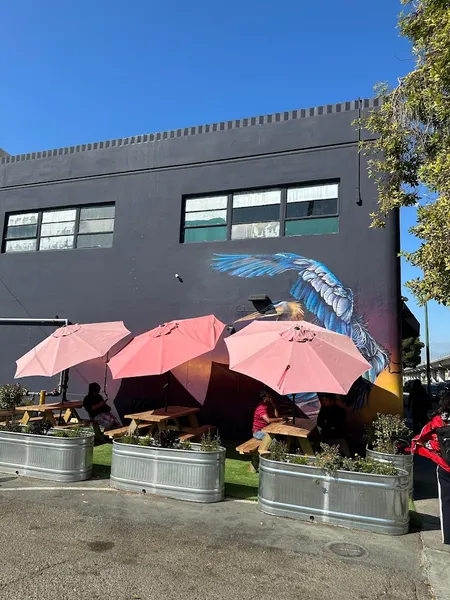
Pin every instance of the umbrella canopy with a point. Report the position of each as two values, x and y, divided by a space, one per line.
70 346
167 346
293 357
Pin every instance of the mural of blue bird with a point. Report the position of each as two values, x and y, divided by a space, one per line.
319 291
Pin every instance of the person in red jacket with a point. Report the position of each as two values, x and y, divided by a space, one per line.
427 444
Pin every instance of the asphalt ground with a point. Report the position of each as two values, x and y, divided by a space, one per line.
85 541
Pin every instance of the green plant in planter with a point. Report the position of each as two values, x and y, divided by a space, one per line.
210 443
298 459
11 395
167 439
330 459
13 426
389 434
38 427
278 451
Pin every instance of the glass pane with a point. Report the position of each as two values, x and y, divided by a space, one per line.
58 216
101 240
312 208
57 228
209 203
312 226
205 234
207 217
98 212
23 219
255 230
313 192
256 198
256 214
21 231
63 242
20 246
96 225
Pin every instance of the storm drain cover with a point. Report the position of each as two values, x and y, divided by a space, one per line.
347 550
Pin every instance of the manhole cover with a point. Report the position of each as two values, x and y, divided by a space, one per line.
347 550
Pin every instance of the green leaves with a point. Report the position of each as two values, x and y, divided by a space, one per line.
411 148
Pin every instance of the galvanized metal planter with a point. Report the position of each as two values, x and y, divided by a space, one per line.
401 461
46 457
376 503
183 474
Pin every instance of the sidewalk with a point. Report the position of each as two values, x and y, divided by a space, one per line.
88 542
436 556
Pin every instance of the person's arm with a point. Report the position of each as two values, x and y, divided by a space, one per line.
269 420
98 405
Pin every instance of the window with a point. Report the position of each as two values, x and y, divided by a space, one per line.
60 229
274 212
205 219
256 214
312 210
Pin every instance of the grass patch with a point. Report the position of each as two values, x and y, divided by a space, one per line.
239 481
415 520
101 461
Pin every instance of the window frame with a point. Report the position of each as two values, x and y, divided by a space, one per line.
76 234
283 218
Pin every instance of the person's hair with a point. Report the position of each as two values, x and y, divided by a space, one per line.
417 385
94 387
264 393
324 395
444 405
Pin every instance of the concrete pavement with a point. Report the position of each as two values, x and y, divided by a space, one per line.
84 541
436 556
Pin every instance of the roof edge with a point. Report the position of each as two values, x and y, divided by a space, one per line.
365 103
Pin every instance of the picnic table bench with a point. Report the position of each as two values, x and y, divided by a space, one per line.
46 411
301 431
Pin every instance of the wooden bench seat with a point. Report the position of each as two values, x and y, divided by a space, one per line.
191 433
113 433
251 446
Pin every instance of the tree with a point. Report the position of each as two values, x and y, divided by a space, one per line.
411 350
412 144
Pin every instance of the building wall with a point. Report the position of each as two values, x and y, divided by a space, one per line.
135 279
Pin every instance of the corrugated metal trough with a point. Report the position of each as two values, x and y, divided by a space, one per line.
183 474
401 461
46 456
365 501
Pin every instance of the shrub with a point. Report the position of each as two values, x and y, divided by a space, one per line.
11 395
278 451
298 459
38 427
13 426
389 434
210 443
330 461
167 439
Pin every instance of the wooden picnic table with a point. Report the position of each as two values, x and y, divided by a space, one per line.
159 417
69 409
297 433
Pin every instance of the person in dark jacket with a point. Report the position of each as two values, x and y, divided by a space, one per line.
427 444
419 405
98 409
331 423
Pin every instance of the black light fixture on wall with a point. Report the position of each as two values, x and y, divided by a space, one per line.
261 302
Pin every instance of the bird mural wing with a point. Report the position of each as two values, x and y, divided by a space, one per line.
317 288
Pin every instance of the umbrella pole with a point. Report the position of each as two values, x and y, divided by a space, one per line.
167 386
293 409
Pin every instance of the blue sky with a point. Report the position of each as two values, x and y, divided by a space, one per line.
82 71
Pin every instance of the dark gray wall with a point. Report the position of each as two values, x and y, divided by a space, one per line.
134 280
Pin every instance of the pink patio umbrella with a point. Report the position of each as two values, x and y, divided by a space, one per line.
166 347
69 346
294 357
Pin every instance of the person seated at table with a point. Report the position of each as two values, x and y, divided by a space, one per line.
265 413
98 409
331 423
